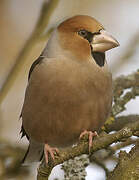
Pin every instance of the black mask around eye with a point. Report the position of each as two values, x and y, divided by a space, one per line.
86 35
99 57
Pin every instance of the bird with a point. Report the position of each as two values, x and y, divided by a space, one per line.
69 91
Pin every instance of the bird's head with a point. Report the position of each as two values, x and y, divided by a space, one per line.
82 37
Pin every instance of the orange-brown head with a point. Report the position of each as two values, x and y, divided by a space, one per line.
81 37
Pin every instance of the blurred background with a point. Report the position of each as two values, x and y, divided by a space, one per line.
17 22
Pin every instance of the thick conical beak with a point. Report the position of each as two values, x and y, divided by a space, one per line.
103 42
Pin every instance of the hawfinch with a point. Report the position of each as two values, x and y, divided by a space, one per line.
69 91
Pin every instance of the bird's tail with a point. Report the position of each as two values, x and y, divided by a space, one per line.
34 153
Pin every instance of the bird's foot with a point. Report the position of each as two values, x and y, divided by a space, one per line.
90 137
49 150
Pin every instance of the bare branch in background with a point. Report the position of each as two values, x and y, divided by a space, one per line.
46 12
125 82
119 122
120 84
128 54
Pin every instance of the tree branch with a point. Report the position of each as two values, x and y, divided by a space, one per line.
120 84
119 122
125 82
127 167
82 148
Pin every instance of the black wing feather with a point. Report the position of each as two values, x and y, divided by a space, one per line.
35 63
23 132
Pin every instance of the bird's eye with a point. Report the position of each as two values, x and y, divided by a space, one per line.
82 33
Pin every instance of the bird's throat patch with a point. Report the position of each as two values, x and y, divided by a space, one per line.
99 58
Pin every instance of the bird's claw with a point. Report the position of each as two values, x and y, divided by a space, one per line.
90 137
49 150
